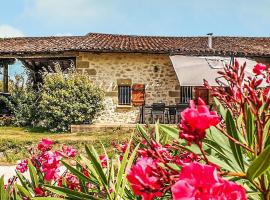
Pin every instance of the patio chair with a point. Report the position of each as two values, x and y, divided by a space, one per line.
179 108
158 110
171 114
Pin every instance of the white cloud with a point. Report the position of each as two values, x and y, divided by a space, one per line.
63 34
68 11
9 31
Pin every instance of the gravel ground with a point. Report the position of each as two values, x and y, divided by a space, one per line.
9 171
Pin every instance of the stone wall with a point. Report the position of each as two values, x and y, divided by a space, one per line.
108 69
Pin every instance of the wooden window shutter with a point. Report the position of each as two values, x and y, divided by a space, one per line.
203 93
138 94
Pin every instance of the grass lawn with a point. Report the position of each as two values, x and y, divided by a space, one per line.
15 141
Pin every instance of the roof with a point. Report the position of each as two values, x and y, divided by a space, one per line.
97 42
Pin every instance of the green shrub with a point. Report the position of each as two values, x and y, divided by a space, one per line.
68 99
23 104
62 100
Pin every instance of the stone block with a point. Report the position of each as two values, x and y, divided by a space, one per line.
122 81
91 72
174 94
111 94
82 64
79 71
177 87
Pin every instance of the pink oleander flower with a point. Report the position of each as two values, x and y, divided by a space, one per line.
259 69
39 192
103 160
22 166
51 164
72 182
202 182
45 144
236 94
195 121
124 147
268 78
69 151
142 179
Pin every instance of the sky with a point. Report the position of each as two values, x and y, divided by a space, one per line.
137 17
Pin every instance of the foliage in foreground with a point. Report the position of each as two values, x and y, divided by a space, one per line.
60 101
210 157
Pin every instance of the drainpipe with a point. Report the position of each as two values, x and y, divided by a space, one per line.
210 40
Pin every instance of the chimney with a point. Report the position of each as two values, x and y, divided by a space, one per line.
210 40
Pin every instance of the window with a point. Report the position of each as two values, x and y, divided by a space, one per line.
186 94
124 95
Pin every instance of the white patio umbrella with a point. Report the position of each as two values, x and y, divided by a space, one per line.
191 70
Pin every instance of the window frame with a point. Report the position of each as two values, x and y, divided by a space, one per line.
125 100
184 99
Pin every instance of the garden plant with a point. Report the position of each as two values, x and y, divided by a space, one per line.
221 155
60 101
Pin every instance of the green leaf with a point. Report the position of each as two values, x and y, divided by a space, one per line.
157 134
232 131
129 163
259 165
2 188
33 174
24 181
96 165
143 133
221 109
47 198
173 132
77 173
266 133
70 193
98 169
121 175
24 191
250 126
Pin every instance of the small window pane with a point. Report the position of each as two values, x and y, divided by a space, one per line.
186 94
124 95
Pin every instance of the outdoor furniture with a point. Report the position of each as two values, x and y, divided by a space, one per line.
158 110
179 108
171 114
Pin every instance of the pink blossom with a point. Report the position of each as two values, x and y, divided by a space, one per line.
103 160
45 144
39 192
142 179
268 78
22 166
50 165
202 182
69 151
195 121
72 182
236 94
259 69
124 147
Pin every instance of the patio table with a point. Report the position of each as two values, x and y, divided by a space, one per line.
149 108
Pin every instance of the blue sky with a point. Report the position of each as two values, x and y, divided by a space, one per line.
145 17
137 17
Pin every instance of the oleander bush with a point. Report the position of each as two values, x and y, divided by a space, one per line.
213 155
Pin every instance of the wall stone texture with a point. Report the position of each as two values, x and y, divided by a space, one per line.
108 69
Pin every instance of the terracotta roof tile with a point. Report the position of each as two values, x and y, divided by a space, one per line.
96 42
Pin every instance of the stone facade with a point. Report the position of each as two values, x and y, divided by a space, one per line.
109 69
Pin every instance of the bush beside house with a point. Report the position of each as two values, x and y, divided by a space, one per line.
61 101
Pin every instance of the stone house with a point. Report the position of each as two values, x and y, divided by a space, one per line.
132 70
